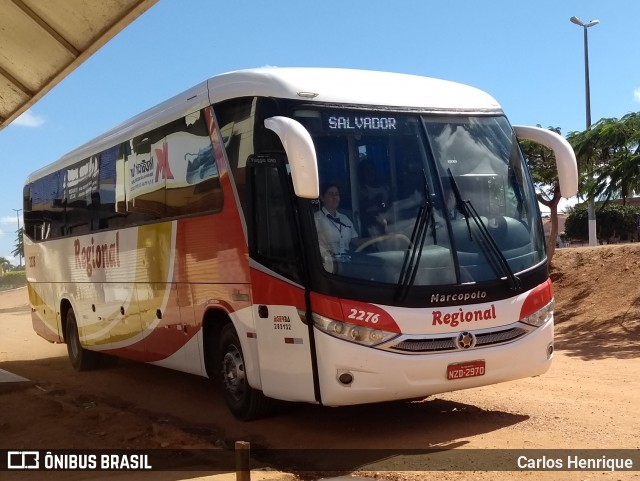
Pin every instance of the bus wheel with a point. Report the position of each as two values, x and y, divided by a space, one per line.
81 358
243 401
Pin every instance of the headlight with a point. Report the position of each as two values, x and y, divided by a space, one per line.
540 317
352 332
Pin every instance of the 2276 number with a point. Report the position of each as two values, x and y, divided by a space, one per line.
365 316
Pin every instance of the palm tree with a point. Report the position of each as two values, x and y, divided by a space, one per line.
609 157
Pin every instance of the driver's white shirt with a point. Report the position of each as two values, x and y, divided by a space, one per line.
334 236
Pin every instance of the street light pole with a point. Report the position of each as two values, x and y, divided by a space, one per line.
587 92
18 217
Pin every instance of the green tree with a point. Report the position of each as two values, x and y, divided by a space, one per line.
4 265
542 165
576 226
609 157
19 247
614 221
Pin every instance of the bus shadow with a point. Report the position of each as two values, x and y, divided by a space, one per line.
298 435
418 424
418 435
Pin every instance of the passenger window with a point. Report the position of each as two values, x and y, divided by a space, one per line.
173 172
165 173
193 182
147 170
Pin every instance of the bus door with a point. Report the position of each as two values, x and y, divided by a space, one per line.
277 281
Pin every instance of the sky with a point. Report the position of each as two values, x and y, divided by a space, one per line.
527 55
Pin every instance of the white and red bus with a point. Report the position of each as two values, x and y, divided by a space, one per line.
191 237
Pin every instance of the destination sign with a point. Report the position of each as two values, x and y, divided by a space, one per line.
356 122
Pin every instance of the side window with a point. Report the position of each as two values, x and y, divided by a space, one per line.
123 175
172 171
236 119
42 207
147 170
79 189
272 240
102 209
168 172
28 214
192 178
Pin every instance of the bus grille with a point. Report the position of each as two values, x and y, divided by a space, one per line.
443 344
498 337
427 345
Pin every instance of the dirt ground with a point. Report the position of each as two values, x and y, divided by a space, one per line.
588 400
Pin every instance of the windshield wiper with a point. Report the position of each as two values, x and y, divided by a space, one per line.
413 253
490 249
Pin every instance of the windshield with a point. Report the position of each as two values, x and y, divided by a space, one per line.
397 191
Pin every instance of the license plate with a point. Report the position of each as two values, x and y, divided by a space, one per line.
465 369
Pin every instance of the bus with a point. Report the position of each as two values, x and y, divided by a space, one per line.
196 236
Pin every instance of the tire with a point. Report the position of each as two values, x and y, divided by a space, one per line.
245 402
81 358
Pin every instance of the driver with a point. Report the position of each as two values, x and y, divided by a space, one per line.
336 233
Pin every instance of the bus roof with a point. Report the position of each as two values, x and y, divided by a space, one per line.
325 85
353 87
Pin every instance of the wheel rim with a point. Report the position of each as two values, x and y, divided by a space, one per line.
233 375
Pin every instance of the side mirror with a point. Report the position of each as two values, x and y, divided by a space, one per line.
301 154
565 156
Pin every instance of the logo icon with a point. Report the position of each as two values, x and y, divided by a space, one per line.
23 460
466 340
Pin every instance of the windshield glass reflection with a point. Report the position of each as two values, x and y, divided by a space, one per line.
387 201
